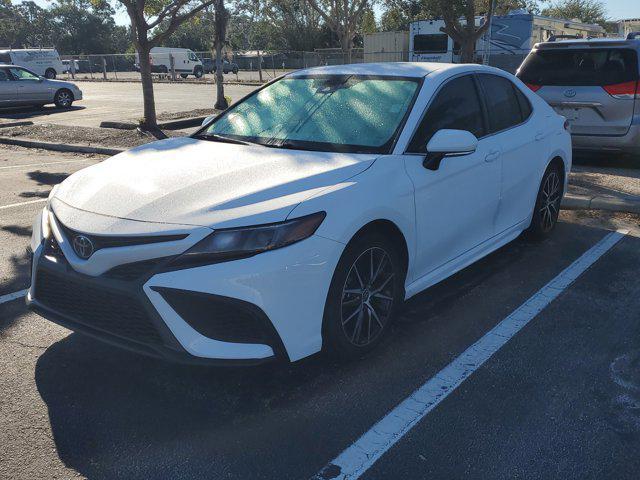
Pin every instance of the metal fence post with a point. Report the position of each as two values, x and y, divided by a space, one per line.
90 67
260 65
273 65
172 65
104 68
115 69
72 64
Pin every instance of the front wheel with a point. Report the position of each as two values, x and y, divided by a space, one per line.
63 98
198 72
365 292
547 209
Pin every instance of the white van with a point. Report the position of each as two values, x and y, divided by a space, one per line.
41 61
184 60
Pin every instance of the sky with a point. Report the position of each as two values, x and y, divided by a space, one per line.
616 9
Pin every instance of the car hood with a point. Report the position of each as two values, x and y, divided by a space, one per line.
197 182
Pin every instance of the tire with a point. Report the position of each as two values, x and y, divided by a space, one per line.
235 71
63 98
50 73
184 75
198 72
356 318
547 208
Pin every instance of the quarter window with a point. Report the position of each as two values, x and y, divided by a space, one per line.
456 106
525 106
503 107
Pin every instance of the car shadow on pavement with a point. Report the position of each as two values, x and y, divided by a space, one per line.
31 112
116 414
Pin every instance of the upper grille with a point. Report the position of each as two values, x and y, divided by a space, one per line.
94 307
109 241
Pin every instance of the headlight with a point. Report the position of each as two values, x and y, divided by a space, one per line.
234 243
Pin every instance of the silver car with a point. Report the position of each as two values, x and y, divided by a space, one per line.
594 84
19 86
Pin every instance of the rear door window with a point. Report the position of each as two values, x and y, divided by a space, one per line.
503 106
580 67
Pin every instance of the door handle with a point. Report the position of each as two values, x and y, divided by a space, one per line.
492 155
539 136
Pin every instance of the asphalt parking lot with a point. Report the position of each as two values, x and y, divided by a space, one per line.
122 101
560 399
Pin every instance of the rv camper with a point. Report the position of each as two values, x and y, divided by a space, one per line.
509 40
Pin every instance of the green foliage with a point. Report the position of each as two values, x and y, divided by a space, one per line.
72 26
588 11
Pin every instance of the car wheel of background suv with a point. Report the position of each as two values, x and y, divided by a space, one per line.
547 209
366 289
63 98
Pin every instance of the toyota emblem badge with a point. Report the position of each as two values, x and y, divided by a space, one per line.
83 246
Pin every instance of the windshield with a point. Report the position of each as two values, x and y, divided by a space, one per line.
347 113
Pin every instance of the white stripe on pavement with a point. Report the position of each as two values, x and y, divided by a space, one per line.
9 297
362 454
7 167
22 203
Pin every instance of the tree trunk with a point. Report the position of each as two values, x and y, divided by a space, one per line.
467 50
150 121
221 102
220 36
346 42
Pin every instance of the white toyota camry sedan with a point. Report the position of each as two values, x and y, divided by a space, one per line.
303 216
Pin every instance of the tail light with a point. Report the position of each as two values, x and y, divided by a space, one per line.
624 90
534 88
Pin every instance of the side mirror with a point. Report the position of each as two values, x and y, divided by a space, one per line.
449 143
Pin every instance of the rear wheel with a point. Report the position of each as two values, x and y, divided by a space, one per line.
547 209
365 292
63 98
50 73
184 75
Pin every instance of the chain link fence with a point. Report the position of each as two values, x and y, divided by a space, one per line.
238 67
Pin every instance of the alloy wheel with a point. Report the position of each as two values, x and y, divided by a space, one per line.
64 99
367 297
550 201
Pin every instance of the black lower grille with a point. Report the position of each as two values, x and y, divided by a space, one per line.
220 318
91 306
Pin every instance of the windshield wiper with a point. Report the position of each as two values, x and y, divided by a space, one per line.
221 138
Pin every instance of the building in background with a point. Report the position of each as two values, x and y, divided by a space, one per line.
628 25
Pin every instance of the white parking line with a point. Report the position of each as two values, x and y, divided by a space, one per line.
6 167
22 203
362 454
9 297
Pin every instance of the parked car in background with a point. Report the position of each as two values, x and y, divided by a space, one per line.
42 61
275 232
19 86
227 66
594 84
185 61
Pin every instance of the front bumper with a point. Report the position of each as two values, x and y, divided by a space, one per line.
265 307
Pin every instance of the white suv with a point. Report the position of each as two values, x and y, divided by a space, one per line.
303 216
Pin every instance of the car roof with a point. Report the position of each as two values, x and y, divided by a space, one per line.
589 42
386 69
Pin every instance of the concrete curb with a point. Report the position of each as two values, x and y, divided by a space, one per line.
59 147
19 123
168 125
600 202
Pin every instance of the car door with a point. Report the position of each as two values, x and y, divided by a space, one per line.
31 88
456 204
521 140
8 89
